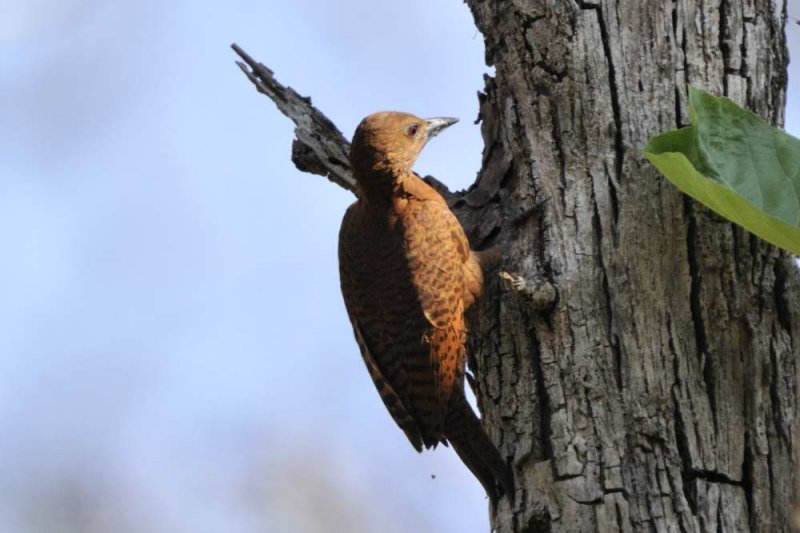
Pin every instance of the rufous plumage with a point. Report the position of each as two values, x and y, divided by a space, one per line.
407 276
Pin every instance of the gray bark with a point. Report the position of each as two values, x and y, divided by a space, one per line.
635 355
660 392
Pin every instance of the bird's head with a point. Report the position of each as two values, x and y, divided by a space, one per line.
387 144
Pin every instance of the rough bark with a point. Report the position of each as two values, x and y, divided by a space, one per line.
636 357
660 392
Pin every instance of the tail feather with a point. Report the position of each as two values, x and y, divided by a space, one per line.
466 434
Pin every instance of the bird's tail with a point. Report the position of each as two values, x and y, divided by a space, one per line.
466 434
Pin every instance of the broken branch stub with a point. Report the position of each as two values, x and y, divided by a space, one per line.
319 147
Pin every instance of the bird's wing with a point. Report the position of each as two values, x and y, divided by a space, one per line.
385 367
390 398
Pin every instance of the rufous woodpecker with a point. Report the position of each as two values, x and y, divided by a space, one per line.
407 276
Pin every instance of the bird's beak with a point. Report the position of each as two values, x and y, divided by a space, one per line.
435 125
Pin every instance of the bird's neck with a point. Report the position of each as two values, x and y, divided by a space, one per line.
378 189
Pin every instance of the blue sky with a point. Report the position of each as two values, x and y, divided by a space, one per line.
174 353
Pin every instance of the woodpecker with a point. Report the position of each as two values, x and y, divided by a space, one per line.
407 276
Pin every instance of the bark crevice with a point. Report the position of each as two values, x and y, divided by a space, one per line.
619 147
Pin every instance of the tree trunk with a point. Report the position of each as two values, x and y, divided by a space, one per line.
659 392
635 354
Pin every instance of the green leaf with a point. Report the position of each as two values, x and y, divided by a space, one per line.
736 164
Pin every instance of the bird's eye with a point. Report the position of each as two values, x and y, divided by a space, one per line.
412 130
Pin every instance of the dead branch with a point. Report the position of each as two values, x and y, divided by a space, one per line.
319 147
